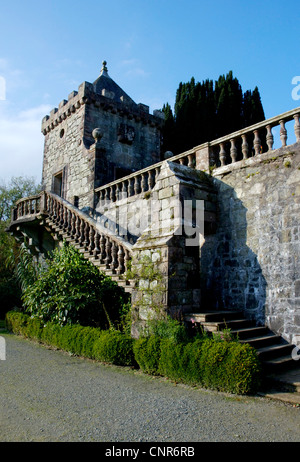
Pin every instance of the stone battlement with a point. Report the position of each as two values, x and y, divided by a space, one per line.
105 100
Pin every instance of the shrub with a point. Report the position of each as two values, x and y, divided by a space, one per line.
114 347
147 353
71 290
224 366
168 328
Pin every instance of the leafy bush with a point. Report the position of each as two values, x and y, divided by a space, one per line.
224 366
114 347
167 328
70 290
147 354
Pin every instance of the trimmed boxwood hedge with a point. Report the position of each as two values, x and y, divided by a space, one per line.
225 366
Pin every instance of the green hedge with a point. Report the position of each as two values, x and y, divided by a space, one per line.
225 366
147 354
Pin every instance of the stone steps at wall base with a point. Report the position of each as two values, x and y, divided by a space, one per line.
273 351
212 326
213 316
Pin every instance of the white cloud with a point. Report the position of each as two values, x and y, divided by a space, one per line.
21 142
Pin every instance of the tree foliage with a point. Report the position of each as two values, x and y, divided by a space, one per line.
10 192
208 110
69 289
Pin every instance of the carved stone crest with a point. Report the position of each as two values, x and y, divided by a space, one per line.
126 134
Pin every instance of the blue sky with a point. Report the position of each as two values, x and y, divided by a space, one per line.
47 49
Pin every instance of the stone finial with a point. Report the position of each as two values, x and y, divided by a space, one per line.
104 68
97 134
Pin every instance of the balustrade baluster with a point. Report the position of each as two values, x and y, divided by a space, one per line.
108 253
72 229
130 187
101 198
157 172
297 127
102 248
150 179
113 193
181 161
77 225
283 133
143 183
120 268
126 260
256 142
57 212
136 185
124 189
245 147
91 239
107 198
222 154
65 223
96 244
233 150
118 192
51 206
61 216
191 160
114 255
82 228
86 235
269 137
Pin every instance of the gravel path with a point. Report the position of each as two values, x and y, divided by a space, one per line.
50 396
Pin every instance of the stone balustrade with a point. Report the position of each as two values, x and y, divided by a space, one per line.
248 142
252 141
26 207
139 182
98 242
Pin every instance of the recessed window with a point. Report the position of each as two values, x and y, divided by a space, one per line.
61 133
57 183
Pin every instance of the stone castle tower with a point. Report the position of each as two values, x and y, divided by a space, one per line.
97 136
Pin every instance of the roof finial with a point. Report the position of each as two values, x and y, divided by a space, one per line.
104 68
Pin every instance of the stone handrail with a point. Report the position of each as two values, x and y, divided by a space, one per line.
139 182
249 141
238 145
99 242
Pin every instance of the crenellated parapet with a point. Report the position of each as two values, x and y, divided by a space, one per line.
87 95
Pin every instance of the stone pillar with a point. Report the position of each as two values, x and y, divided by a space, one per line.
203 160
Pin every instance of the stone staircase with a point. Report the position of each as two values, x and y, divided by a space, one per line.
107 267
273 351
63 221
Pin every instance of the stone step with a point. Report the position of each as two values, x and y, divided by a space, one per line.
250 332
218 326
209 316
279 363
273 351
263 341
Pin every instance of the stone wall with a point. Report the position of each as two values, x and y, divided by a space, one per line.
183 202
127 139
253 261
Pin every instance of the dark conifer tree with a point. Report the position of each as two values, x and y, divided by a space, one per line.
208 110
